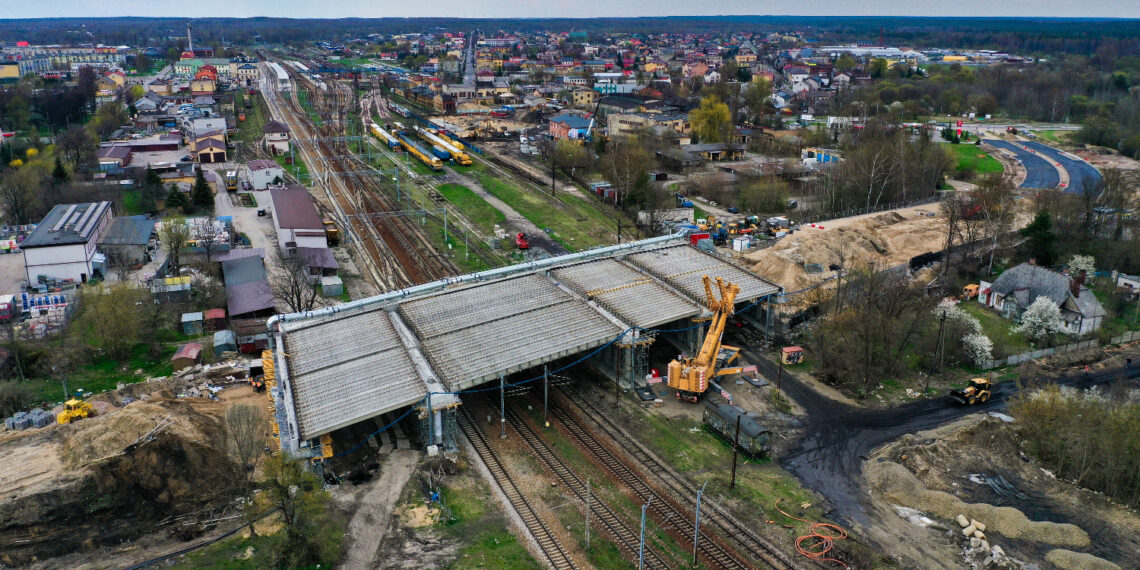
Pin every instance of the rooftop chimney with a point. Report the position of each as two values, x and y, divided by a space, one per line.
1032 261
1075 283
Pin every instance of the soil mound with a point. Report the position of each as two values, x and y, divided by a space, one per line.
87 485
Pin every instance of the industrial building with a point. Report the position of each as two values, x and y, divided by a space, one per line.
63 245
296 219
451 335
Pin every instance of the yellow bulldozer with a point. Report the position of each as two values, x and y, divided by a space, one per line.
691 376
75 410
977 391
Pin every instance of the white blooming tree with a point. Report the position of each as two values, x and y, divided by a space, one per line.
1041 318
979 348
976 344
1082 262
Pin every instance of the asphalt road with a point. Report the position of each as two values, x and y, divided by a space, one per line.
836 437
1040 173
1080 172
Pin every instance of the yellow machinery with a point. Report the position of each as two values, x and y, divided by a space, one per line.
691 376
969 291
75 410
332 234
978 391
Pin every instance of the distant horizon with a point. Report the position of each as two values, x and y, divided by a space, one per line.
584 18
580 9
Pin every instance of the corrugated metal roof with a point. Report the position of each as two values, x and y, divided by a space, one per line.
337 383
128 231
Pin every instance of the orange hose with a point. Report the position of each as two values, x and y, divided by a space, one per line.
816 545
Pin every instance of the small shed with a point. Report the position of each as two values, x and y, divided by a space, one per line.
225 341
332 286
792 355
215 319
186 356
192 323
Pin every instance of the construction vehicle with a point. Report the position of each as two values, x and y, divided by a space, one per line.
979 390
231 179
75 410
683 202
969 291
777 226
1011 130
521 242
332 233
691 376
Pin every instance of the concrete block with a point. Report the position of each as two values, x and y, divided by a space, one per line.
968 531
962 521
978 525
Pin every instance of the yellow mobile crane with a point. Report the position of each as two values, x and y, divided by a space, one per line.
691 376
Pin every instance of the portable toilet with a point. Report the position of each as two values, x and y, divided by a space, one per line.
192 323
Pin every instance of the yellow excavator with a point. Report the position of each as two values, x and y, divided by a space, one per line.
691 376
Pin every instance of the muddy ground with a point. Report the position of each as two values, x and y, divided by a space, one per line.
981 460
95 487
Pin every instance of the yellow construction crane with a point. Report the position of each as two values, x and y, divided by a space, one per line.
691 376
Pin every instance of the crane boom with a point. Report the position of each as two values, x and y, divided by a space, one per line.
690 376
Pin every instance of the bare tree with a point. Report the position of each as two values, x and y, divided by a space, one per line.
173 236
245 429
292 284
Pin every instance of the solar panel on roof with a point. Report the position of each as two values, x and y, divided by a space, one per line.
63 219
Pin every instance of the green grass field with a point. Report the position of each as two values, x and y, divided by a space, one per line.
301 173
997 328
106 374
1054 136
974 157
482 215
578 225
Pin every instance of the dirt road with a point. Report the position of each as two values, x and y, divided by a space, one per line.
838 437
516 222
370 521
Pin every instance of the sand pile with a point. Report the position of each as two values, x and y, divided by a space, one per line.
884 240
108 435
900 486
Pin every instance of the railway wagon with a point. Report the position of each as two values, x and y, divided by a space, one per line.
384 136
422 155
435 138
754 439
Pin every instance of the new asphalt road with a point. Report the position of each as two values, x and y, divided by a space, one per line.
1081 173
1039 172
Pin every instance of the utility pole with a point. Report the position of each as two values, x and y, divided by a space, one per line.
502 407
619 231
552 162
735 445
587 514
545 395
942 341
697 522
617 374
641 549
779 377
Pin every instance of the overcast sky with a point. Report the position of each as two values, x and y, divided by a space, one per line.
567 8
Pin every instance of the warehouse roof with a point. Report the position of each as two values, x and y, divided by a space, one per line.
128 231
293 209
67 224
243 270
249 298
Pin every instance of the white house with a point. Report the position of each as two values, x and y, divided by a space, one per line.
296 219
276 137
1018 287
262 173
63 244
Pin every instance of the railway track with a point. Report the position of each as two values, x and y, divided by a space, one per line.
542 535
667 513
398 251
713 515
626 538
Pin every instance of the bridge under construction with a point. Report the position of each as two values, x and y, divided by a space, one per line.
423 345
